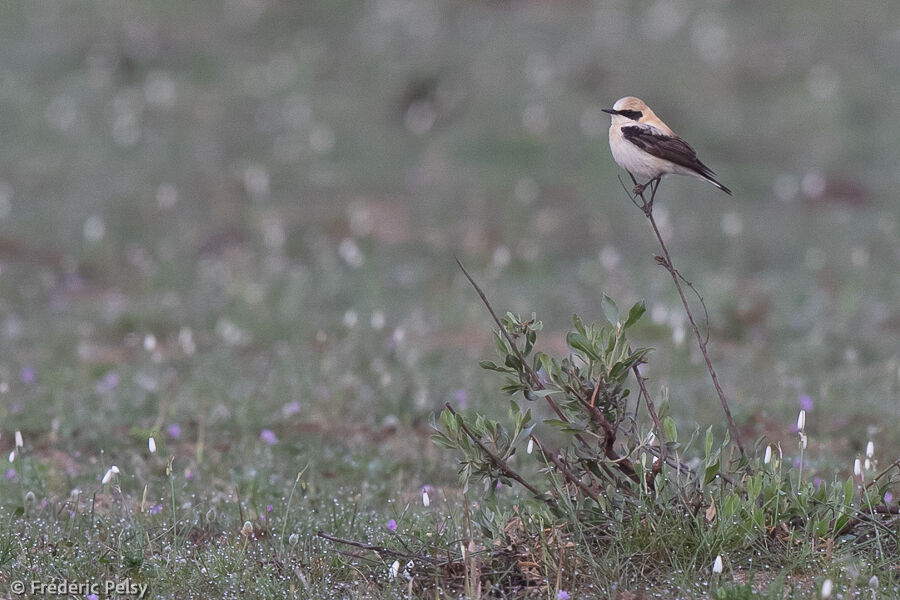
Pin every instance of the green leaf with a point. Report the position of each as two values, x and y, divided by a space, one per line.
544 361
711 472
579 342
579 325
443 442
513 362
514 409
669 428
610 310
848 492
564 426
500 342
636 312
492 366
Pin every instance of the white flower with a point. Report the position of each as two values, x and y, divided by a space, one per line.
826 589
530 448
112 472
870 449
873 582
151 444
768 457
717 564
19 442
801 421
351 318
12 456
425 499
293 539
395 570
857 467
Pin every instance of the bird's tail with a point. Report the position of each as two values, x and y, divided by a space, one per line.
706 173
713 181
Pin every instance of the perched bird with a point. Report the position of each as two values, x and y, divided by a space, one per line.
645 146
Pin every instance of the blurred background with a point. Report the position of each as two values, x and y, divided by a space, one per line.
243 215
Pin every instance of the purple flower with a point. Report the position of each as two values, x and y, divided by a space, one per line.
269 508
888 497
817 482
109 382
562 595
805 402
93 597
291 408
268 436
174 431
10 474
156 509
28 374
392 525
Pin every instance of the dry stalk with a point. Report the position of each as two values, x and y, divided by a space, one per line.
646 207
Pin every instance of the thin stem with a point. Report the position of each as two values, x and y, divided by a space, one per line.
499 462
373 548
567 473
666 261
663 446
535 381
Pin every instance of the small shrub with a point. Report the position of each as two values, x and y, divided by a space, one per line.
620 496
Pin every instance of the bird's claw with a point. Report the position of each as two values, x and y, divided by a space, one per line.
638 190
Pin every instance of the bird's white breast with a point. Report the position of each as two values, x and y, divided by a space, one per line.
633 159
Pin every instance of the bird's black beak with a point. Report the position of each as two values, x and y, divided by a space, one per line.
611 111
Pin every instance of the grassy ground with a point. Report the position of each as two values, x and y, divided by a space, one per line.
232 227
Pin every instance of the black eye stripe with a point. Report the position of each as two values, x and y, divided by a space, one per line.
634 115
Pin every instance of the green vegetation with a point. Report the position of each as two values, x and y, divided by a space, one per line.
230 227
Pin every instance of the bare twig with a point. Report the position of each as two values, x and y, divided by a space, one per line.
884 472
566 471
535 381
651 408
666 261
499 462
378 549
623 463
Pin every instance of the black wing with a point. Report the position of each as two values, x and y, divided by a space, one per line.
668 147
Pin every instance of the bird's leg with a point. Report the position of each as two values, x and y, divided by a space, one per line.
653 184
638 190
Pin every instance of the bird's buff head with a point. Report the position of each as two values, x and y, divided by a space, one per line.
630 108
